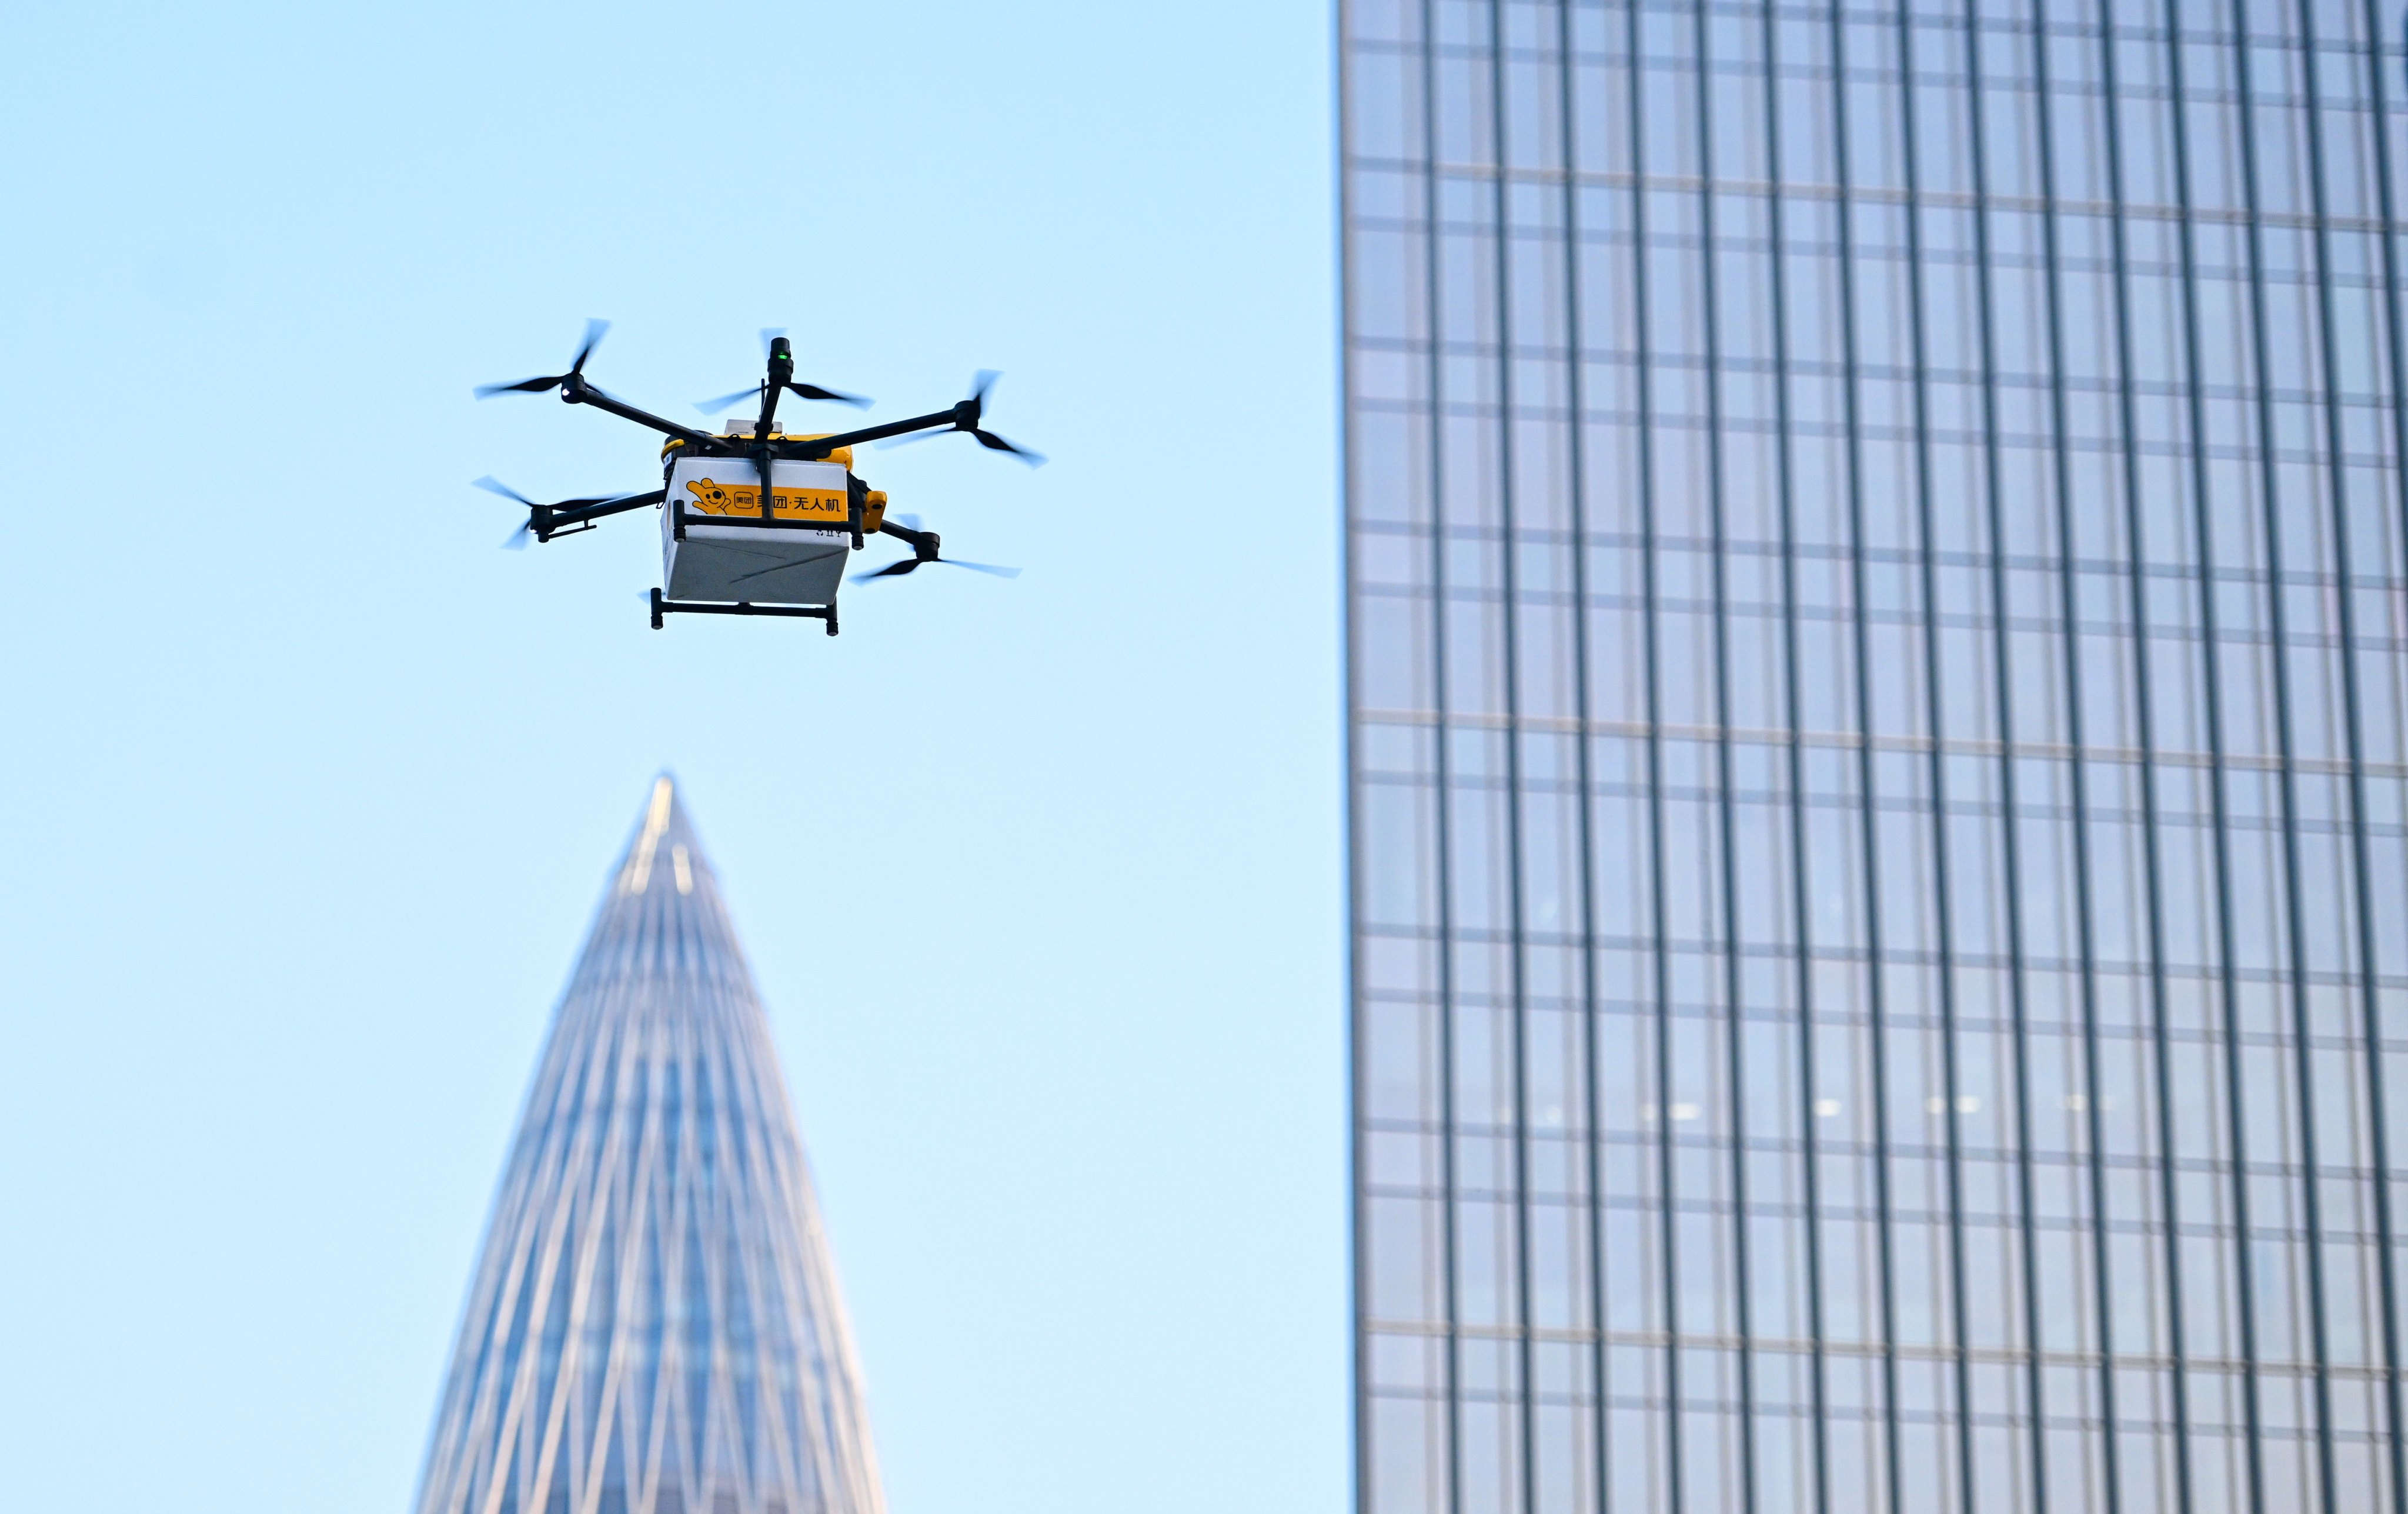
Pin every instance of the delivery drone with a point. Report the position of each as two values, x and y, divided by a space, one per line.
725 549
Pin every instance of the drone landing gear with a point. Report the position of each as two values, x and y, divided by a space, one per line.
688 607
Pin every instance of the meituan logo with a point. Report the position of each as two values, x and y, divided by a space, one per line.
713 497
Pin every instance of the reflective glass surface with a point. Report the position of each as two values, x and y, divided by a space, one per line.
1878 651
654 1326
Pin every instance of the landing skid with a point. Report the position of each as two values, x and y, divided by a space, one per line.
689 607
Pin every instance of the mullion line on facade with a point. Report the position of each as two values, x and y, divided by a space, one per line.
2145 719
2337 481
1593 1144
1518 987
1870 1350
1442 819
1800 898
1873 194
2220 789
1357 1021
2376 1085
2094 1115
2269 485
1869 832
1659 962
1735 1094
1943 903
1954 746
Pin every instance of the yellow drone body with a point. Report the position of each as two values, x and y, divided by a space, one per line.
755 520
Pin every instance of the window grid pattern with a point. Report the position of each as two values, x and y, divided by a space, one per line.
1878 678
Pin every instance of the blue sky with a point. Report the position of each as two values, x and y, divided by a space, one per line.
312 789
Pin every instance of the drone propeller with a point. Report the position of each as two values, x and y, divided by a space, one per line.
712 407
593 330
769 335
808 390
898 569
517 541
965 418
813 390
493 486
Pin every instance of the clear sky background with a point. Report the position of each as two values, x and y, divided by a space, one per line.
310 790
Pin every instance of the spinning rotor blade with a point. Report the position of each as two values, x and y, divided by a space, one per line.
493 486
518 539
809 391
898 569
532 386
980 384
712 407
593 329
988 439
984 438
813 390
769 335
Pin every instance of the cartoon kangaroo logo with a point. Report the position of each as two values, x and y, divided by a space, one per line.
719 499
713 497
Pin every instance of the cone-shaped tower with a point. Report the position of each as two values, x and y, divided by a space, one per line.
655 1327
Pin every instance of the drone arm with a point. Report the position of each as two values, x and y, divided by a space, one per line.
578 392
559 518
904 533
825 445
923 544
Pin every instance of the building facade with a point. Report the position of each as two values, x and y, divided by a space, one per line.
1878 645
655 1327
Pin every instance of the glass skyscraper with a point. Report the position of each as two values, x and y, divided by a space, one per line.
655 1327
1878 643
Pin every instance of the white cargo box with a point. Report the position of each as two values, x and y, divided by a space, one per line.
731 555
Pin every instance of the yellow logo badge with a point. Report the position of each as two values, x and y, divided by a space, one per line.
711 498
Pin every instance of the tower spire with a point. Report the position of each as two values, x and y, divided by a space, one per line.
654 1326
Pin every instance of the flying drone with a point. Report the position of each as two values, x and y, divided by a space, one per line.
725 549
